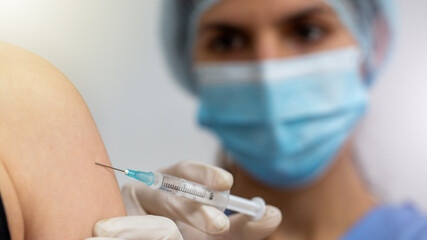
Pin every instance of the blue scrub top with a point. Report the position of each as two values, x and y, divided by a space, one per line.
390 223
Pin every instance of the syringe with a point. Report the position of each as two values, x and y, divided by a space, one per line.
197 192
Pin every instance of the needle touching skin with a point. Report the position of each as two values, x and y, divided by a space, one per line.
109 167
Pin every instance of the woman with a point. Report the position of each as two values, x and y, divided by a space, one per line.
283 84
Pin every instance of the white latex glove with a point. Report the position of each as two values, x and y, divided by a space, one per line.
140 199
136 228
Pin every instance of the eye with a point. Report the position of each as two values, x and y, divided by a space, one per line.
226 42
307 33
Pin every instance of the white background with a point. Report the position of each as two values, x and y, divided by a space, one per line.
110 50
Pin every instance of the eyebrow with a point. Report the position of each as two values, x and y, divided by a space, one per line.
305 13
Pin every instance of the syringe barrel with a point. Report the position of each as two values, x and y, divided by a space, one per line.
191 190
200 193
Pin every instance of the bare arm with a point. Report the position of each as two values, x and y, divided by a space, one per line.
48 145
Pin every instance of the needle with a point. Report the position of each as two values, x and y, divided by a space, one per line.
110 167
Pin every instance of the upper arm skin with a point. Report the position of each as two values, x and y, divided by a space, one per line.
48 145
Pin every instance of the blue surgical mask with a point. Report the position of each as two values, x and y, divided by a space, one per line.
283 121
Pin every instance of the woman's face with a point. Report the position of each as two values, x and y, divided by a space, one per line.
254 30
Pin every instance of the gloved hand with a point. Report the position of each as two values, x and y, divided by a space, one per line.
199 220
136 228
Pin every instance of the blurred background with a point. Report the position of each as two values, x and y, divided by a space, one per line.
111 51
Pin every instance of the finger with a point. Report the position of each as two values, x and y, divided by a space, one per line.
242 227
211 176
204 218
138 228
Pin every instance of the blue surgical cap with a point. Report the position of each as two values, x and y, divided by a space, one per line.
371 23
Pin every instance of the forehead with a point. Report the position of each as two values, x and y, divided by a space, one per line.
254 12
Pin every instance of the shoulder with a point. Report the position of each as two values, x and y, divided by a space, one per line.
403 222
16 63
48 145
28 85
26 78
